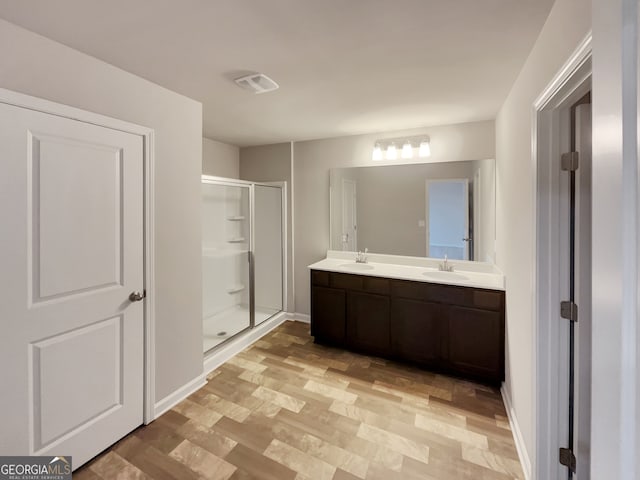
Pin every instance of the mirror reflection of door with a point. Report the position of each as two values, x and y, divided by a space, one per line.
349 217
448 218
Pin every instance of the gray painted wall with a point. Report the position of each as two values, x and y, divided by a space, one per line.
567 25
220 159
37 66
272 163
313 159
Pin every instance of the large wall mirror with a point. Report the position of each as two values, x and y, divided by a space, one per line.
420 210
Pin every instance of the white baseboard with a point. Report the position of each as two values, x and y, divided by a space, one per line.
301 317
171 400
233 347
525 461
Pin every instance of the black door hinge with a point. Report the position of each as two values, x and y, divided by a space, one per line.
568 459
569 161
569 310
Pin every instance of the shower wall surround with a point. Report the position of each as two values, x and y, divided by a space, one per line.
242 256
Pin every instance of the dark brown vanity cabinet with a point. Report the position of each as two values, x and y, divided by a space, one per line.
330 312
453 329
368 323
473 340
417 332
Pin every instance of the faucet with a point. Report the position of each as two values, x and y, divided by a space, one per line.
444 266
361 257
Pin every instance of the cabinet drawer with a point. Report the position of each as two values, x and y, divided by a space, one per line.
488 300
449 294
407 289
376 285
346 281
319 278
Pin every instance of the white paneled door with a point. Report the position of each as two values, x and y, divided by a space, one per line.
71 237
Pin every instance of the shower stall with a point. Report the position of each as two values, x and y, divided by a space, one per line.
243 256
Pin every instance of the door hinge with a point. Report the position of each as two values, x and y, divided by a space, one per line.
568 459
569 161
569 310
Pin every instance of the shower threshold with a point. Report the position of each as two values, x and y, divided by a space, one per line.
222 326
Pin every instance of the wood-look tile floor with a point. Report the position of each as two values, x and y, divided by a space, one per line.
286 408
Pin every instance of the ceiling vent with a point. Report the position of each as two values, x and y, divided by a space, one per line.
257 83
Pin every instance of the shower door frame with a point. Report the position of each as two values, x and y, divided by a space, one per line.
232 182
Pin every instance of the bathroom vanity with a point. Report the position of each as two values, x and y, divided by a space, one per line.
451 322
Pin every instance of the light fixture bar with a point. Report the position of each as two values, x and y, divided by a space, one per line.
392 152
377 153
411 146
407 150
425 149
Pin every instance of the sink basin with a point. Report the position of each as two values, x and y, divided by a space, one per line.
445 275
356 266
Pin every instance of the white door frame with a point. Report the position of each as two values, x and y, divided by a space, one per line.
426 213
546 149
283 186
45 106
354 207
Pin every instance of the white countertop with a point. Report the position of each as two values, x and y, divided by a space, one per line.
465 274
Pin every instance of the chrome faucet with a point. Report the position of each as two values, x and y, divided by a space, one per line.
444 266
361 257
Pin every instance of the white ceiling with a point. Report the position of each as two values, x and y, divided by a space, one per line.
344 66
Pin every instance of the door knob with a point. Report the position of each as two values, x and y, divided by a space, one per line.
136 296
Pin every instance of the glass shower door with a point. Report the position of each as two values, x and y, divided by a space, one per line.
268 251
225 261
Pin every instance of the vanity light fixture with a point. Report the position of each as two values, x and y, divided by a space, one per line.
425 149
377 152
392 152
412 147
407 150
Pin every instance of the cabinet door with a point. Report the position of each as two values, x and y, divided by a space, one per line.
368 323
476 339
417 331
328 311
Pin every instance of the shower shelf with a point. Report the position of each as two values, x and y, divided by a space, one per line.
236 240
236 218
235 289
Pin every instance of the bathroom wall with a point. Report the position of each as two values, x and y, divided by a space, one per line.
37 66
220 159
568 24
313 159
272 163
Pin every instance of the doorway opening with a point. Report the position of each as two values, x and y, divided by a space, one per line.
448 213
562 146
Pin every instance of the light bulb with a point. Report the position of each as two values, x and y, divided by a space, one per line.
425 149
392 152
407 150
377 152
